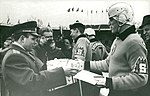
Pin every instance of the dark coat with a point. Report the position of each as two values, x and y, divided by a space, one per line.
41 53
23 76
144 91
55 53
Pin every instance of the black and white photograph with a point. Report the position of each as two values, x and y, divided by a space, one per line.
74 47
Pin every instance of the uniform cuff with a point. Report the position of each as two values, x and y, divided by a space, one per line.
87 65
109 83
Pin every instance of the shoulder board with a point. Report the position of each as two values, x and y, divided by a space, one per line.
15 51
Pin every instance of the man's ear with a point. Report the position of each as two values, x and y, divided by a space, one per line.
22 38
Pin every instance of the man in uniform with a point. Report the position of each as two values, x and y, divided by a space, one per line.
82 49
21 69
127 63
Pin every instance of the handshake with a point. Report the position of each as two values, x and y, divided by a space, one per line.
71 67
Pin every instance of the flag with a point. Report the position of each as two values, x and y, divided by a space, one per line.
8 20
49 24
91 11
106 10
18 21
73 9
77 10
68 10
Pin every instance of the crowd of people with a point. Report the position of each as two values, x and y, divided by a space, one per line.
27 49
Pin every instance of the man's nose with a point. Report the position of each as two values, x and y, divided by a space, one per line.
71 34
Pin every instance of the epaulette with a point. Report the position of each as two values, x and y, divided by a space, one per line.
15 51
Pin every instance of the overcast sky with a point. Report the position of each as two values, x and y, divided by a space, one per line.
55 12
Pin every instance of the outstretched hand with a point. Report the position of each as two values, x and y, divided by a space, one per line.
70 71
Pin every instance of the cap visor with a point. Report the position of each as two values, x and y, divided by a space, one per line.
35 34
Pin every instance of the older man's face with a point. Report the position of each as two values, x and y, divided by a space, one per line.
146 31
29 42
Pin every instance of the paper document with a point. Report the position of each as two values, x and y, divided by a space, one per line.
65 63
88 77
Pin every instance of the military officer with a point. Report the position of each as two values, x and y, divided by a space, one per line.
21 69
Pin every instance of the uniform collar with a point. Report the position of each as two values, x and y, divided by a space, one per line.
82 35
18 47
127 32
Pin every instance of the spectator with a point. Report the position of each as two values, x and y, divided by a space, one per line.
5 38
146 32
67 47
5 41
53 51
40 49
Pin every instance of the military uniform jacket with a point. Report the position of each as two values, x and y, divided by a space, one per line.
41 53
22 74
82 49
